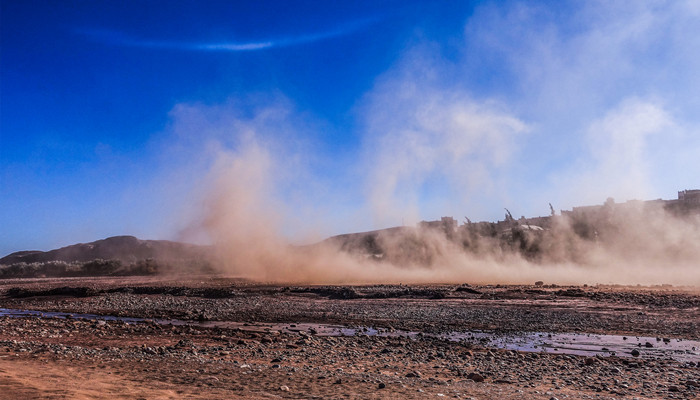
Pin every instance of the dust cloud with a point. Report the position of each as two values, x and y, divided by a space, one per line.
625 243
566 132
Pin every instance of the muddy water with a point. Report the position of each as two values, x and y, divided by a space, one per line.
558 343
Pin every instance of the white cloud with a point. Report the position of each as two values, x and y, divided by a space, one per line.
420 132
122 39
578 68
617 160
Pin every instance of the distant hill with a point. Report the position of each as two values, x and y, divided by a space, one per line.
399 245
127 249
369 243
118 255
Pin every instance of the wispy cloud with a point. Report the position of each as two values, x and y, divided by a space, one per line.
122 39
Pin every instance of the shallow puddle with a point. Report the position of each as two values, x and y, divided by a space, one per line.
583 344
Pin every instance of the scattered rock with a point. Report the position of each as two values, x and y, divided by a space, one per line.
475 377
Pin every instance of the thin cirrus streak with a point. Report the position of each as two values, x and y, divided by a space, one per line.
117 38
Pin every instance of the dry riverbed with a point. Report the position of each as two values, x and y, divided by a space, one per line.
226 338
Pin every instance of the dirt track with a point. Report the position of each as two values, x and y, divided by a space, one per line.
73 358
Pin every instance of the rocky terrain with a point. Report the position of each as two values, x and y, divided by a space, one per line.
225 338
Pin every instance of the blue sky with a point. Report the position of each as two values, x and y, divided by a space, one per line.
118 117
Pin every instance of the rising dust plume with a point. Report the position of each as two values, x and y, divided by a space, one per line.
638 243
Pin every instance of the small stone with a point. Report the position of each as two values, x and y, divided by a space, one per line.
382 385
635 353
475 377
284 388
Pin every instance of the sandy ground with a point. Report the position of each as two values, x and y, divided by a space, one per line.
57 358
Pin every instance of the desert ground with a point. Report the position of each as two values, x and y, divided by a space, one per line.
206 337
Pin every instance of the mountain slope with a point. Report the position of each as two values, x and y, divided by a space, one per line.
126 249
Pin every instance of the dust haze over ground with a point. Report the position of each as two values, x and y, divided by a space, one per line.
579 125
243 214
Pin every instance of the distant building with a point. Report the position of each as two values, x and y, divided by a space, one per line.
689 196
688 203
588 219
585 219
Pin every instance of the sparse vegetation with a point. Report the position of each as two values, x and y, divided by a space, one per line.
96 267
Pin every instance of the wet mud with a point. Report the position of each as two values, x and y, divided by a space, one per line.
562 343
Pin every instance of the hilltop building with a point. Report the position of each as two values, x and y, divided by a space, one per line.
689 196
687 203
